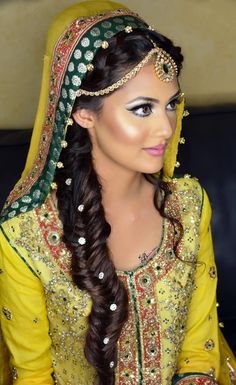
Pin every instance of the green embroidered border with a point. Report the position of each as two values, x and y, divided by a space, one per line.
80 56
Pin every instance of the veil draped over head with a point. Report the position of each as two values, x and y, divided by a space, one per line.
73 40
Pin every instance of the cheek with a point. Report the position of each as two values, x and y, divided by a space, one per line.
123 129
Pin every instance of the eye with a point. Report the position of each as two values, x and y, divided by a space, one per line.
142 110
173 104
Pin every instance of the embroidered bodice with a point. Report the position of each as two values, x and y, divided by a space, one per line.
160 292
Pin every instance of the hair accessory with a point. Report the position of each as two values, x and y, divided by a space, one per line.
113 307
81 208
128 29
68 181
64 144
165 67
106 340
90 67
105 44
82 241
112 364
54 185
101 275
70 121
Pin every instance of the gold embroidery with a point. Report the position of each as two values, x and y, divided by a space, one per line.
7 313
209 345
14 373
159 294
212 272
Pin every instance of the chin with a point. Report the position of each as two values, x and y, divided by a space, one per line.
152 169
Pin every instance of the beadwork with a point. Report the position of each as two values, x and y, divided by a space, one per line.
64 144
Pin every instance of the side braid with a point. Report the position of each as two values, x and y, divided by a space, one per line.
91 258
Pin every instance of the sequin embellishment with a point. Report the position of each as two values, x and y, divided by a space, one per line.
7 313
212 272
209 345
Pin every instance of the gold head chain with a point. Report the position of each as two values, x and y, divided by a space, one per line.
165 68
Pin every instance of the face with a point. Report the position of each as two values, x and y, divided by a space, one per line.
136 124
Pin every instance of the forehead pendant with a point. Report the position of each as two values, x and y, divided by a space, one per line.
165 67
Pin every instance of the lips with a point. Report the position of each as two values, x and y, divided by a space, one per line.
157 150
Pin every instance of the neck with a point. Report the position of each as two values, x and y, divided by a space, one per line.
121 188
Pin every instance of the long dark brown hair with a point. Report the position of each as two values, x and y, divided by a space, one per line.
88 260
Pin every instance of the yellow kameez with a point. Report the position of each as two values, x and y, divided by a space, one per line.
44 317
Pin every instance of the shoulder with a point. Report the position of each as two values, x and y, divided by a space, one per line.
186 185
16 236
186 195
189 201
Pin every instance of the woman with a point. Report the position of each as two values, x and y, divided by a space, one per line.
107 267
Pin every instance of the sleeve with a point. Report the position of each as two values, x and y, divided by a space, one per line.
199 359
24 321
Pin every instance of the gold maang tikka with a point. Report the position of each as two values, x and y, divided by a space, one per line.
165 68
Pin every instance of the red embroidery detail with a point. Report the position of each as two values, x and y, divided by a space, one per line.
52 232
140 352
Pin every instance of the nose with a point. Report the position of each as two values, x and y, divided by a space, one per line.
164 125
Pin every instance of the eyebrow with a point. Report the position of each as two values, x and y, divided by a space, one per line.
149 99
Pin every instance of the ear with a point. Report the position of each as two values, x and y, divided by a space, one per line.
85 118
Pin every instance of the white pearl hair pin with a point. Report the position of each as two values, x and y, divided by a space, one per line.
80 208
106 340
68 181
101 275
113 307
81 240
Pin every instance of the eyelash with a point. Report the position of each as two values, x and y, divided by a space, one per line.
151 107
140 107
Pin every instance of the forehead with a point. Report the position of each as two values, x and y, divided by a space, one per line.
145 83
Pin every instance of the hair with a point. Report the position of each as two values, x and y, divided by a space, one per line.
88 260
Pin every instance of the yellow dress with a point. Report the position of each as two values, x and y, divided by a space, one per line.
172 326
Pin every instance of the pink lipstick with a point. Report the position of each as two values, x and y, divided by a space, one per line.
156 150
